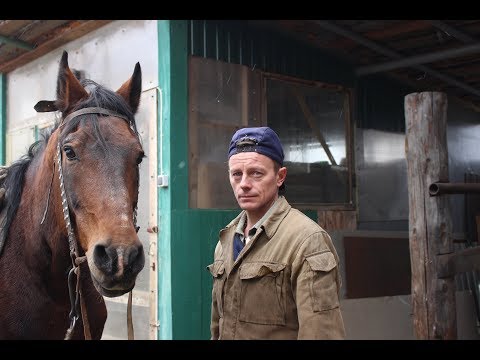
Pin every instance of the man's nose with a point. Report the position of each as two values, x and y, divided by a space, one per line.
245 182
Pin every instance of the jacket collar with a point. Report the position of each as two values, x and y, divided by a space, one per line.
272 223
270 226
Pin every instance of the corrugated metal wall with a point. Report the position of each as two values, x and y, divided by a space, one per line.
385 115
234 42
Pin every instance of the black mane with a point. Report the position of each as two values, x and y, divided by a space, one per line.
13 185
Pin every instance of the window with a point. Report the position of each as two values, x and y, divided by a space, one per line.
312 120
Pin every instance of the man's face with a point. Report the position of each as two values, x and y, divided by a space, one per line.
254 180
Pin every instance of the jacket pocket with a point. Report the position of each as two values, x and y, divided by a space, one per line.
262 294
217 269
323 281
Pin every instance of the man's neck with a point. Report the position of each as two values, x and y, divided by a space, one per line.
254 217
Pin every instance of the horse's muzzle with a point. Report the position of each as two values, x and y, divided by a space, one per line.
115 268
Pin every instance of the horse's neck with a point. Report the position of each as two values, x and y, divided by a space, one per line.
41 205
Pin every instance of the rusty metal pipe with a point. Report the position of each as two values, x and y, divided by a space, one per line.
440 188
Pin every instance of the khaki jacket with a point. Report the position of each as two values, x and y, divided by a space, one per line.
284 284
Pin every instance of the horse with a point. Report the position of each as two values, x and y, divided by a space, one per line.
68 229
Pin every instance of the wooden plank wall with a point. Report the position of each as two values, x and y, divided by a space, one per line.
332 220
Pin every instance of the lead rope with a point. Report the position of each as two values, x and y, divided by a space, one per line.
130 295
129 317
75 269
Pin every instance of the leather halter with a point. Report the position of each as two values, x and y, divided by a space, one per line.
93 110
74 289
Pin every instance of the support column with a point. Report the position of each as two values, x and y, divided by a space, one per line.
430 224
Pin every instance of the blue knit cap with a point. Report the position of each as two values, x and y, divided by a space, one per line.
262 140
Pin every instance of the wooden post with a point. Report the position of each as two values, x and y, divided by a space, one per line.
430 228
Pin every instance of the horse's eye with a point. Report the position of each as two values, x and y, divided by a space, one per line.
69 152
140 158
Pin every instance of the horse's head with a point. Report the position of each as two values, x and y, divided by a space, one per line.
98 152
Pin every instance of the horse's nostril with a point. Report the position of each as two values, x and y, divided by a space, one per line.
118 260
101 259
132 254
135 258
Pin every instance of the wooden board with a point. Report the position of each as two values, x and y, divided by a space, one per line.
376 266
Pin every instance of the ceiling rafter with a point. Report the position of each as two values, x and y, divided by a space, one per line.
419 59
16 43
393 54
63 36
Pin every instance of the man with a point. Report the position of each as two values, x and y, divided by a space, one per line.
275 270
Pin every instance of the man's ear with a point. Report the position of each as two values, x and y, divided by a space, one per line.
45 106
281 175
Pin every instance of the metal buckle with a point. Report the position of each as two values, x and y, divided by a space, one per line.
246 141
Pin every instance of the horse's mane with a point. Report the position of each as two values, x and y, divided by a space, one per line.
13 186
99 96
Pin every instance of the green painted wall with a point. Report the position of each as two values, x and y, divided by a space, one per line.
197 230
3 117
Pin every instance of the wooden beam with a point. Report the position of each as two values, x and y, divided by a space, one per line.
404 79
372 45
311 121
9 27
75 30
418 59
430 223
15 43
403 28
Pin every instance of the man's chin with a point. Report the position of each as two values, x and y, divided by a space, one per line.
246 203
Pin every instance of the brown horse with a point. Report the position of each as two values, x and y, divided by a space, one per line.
69 230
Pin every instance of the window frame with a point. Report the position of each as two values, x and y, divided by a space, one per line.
260 103
349 135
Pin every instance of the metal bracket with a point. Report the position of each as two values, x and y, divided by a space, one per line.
162 181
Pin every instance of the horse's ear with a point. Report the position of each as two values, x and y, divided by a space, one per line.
69 89
131 89
45 106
